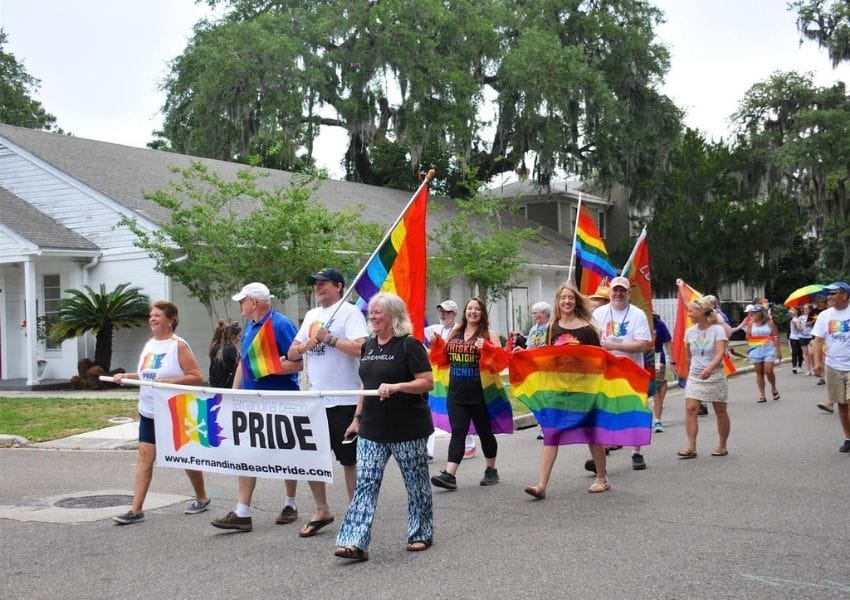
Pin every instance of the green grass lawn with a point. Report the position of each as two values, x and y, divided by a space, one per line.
41 419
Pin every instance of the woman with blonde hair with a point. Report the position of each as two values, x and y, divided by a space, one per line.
705 346
571 324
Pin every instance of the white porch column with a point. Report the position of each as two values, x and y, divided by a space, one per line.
29 312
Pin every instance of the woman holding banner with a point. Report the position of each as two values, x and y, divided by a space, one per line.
166 358
571 324
396 423
705 346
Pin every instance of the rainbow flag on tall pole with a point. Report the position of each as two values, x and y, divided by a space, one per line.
686 295
639 273
590 251
399 264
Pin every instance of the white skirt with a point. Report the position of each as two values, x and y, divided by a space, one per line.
713 389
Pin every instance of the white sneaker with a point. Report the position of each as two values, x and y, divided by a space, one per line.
658 427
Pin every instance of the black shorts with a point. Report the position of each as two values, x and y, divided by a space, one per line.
147 433
804 341
339 418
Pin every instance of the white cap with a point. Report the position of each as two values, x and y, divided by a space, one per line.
748 308
448 306
255 290
620 281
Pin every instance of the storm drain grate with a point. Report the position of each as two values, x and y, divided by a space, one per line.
103 501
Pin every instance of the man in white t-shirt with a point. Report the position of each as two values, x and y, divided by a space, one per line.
832 328
624 330
331 336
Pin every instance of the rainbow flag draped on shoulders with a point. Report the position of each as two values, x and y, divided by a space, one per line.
583 395
399 264
591 253
263 356
492 362
686 295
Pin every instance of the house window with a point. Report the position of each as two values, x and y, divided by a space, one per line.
600 223
52 295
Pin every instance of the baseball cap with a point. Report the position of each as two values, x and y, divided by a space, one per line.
839 286
621 281
754 308
328 274
448 306
254 290
601 293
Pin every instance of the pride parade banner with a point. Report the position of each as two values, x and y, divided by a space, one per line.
257 434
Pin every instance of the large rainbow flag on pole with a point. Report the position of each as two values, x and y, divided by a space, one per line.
591 253
492 362
583 395
398 265
639 273
686 295
263 356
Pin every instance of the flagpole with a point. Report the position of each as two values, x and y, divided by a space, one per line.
571 275
635 249
428 177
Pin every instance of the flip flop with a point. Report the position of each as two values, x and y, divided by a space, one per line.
313 527
352 553
687 453
419 545
825 407
598 488
532 491
776 395
760 400
720 452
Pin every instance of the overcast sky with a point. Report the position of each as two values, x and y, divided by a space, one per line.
101 61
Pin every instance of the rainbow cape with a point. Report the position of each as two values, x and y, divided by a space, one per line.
194 420
491 363
263 357
583 395
757 341
399 264
686 295
591 253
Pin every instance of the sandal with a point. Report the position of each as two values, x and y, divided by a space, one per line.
761 400
419 545
687 453
720 452
776 395
532 491
599 487
352 553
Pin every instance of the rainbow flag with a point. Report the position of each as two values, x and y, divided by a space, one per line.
492 362
583 395
686 295
757 341
194 420
639 273
591 253
399 264
263 357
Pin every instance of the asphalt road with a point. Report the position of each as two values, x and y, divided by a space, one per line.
768 521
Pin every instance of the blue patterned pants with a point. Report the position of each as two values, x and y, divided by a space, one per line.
372 457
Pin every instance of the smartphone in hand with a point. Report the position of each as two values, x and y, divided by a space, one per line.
349 438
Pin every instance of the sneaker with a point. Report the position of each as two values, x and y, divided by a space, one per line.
658 427
794 370
197 506
821 381
469 452
703 410
444 480
491 476
638 464
845 447
131 517
288 515
232 521
589 465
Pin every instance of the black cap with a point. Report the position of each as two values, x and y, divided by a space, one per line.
328 274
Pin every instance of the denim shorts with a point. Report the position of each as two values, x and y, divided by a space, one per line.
147 433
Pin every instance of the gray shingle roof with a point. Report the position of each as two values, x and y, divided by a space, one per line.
37 227
125 174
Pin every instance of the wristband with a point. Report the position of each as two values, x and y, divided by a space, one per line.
358 417
331 341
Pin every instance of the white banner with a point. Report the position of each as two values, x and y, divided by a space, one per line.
257 434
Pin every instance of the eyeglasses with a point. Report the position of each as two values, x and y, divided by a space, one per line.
832 292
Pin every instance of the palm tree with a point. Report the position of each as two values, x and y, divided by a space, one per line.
100 312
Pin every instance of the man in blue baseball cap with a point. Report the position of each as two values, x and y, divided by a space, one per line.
832 328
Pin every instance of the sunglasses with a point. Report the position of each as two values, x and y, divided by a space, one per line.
832 292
